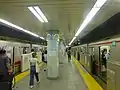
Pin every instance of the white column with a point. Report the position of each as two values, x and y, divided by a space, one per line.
52 56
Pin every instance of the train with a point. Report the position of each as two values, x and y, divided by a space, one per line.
90 57
19 53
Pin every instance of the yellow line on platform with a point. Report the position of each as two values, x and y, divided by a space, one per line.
88 79
22 75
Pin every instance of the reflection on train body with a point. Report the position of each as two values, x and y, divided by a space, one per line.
101 59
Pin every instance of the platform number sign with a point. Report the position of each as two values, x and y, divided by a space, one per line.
113 43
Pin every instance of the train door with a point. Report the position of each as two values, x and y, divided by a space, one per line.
83 59
92 61
95 58
10 54
104 50
81 56
17 59
74 52
78 54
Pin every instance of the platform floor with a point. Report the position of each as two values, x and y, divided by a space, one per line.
69 79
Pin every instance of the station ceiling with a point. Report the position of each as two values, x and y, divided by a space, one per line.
63 15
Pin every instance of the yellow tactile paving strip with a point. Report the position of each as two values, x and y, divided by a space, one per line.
88 79
22 75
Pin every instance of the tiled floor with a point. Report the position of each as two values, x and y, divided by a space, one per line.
69 80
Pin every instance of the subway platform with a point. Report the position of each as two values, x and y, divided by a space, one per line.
71 77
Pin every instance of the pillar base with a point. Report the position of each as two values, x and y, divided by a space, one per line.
53 78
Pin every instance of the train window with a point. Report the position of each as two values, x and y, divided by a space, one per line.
83 49
9 51
25 50
91 50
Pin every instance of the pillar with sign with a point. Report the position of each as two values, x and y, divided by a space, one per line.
52 55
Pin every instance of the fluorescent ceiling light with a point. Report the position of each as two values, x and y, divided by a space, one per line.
87 20
17 27
72 40
10 24
41 13
38 13
99 3
31 33
91 14
42 37
35 13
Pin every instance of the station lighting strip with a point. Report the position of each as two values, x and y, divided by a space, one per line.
19 28
91 14
38 13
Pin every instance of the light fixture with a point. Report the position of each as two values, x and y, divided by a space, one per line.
17 27
87 20
35 13
91 14
38 13
42 37
72 40
99 3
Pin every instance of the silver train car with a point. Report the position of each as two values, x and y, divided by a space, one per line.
15 50
90 57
